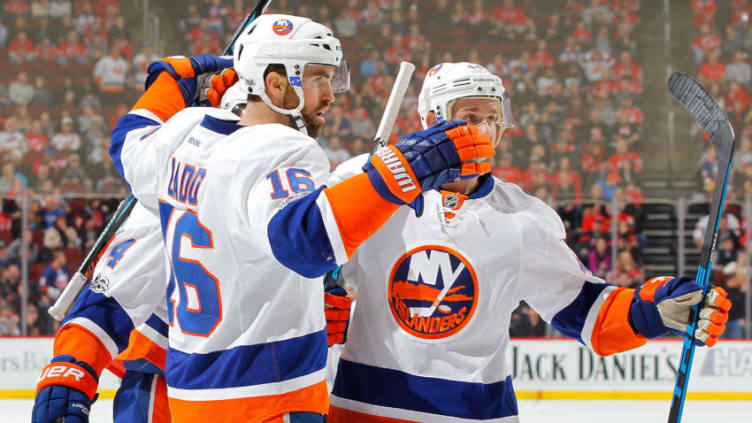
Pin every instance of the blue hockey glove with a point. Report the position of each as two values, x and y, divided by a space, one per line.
66 390
426 160
186 70
662 305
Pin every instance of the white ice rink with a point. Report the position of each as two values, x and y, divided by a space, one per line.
550 411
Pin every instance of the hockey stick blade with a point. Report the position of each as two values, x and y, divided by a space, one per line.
698 102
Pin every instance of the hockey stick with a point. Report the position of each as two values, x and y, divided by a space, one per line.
79 279
383 132
700 104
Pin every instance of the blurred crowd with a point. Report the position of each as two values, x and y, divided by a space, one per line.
69 69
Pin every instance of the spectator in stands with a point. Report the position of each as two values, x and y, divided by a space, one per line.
42 95
21 49
60 235
506 170
55 276
110 74
11 140
3 33
728 226
708 41
41 9
626 273
526 322
709 169
712 69
71 50
66 140
91 125
738 69
32 249
20 91
60 8
362 125
335 152
9 319
732 42
510 16
735 286
704 11
600 258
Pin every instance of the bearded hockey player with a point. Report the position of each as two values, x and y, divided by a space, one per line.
428 337
250 225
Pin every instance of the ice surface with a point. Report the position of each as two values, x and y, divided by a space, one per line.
19 411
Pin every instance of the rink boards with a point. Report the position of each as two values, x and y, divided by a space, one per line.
542 369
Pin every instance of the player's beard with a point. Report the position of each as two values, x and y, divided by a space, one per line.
290 101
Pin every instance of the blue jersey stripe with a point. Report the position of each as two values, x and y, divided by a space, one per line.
106 313
298 237
126 124
247 365
571 318
157 324
396 389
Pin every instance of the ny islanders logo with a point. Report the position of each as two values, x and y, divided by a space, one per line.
432 291
282 27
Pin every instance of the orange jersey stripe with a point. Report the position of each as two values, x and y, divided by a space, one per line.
341 415
163 98
612 332
83 345
139 346
313 399
160 405
358 209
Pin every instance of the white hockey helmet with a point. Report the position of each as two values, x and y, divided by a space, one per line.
293 42
447 82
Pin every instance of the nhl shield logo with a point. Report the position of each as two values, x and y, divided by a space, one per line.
282 27
433 292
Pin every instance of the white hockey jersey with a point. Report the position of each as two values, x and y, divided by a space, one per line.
248 340
428 336
127 292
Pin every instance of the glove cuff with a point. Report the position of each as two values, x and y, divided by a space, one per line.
77 375
645 318
392 177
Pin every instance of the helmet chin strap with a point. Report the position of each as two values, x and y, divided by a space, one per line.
295 116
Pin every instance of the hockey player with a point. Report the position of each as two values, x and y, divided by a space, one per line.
250 225
435 294
121 315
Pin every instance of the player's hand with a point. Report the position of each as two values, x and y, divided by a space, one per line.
65 392
426 160
663 304
337 309
186 70
213 87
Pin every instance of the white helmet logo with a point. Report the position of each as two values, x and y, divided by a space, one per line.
282 27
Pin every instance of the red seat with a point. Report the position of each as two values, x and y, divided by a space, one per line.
73 256
37 237
36 271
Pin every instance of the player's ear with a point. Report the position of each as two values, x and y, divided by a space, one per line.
276 87
431 118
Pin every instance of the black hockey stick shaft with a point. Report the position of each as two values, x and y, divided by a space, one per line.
693 97
80 278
